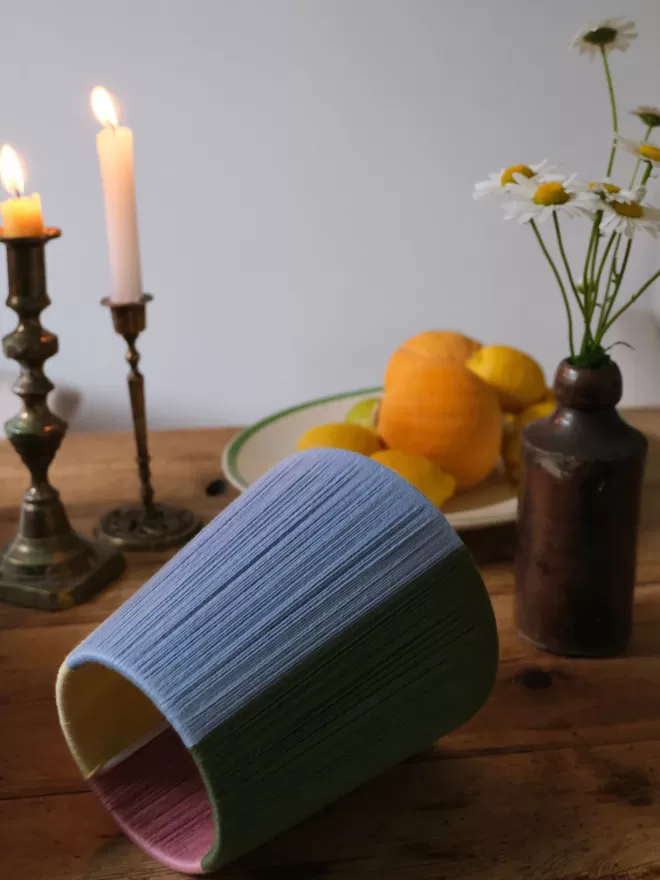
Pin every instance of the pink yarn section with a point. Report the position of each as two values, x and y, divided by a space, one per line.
157 797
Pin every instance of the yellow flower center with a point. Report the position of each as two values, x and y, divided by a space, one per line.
609 187
551 193
628 209
507 177
649 151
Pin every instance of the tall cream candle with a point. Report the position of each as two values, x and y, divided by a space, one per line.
114 145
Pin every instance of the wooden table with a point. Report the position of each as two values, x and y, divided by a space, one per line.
557 777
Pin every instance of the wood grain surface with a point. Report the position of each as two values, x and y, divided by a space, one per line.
557 777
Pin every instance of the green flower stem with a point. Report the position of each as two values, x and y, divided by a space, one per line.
555 271
608 247
615 256
647 134
594 259
592 289
611 278
647 174
564 258
596 288
605 323
632 300
593 238
615 121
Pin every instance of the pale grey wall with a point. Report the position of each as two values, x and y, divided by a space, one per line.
304 170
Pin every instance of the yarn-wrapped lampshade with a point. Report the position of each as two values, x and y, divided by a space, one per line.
324 627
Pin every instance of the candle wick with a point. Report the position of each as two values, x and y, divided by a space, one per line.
18 193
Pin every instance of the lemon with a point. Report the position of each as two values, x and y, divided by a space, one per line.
515 376
424 474
354 438
364 412
508 423
535 412
511 444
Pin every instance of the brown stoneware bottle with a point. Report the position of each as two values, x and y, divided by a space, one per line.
582 471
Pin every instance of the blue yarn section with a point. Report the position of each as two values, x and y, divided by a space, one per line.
318 542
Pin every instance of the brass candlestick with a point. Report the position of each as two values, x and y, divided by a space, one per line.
149 525
46 565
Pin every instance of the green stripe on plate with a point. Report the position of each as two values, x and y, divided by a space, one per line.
233 448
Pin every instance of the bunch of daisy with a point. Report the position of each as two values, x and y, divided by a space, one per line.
538 194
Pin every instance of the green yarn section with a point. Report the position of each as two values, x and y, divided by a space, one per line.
413 669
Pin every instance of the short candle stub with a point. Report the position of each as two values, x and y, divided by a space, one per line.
22 215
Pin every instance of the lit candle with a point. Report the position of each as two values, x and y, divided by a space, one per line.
21 215
114 145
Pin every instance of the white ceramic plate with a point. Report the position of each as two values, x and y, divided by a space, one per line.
258 448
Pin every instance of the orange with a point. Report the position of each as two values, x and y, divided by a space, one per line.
423 473
445 413
515 376
439 346
355 438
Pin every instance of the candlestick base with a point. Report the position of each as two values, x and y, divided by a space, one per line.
56 573
134 527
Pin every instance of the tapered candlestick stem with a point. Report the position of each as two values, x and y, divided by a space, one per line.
136 391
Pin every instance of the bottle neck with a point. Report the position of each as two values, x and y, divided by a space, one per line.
588 389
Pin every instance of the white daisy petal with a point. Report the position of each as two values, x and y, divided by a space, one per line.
484 188
540 198
542 167
609 34
500 181
606 190
514 209
627 217
646 151
524 182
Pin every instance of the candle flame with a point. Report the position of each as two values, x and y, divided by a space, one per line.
103 106
11 171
